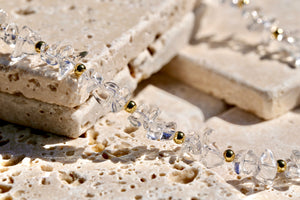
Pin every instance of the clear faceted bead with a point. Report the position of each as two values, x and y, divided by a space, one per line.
192 147
245 162
155 130
48 54
212 157
120 99
11 34
25 44
169 130
94 80
292 171
295 157
65 67
267 168
152 115
66 63
139 116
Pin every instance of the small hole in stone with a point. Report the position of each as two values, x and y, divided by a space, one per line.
162 174
108 45
138 197
89 36
123 190
132 186
70 153
143 180
153 176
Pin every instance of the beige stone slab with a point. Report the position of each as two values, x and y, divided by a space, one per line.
114 33
239 130
74 121
222 61
208 105
112 161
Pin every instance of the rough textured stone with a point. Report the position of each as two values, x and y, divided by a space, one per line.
112 161
73 121
224 60
239 130
114 33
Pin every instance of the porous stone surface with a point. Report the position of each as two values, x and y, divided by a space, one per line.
73 121
113 32
224 59
113 160
239 130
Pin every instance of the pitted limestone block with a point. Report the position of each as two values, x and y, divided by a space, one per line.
73 121
208 105
224 60
113 32
113 160
239 130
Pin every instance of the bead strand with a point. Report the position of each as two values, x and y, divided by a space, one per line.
289 43
25 42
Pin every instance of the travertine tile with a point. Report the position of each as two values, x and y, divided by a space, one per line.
113 32
113 161
73 121
209 106
224 60
239 130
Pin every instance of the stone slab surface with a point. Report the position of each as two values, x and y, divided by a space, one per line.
222 60
74 121
112 161
114 33
239 130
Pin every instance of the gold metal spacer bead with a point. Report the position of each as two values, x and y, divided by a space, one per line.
79 69
38 46
130 107
242 3
277 33
179 137
281 166
229 155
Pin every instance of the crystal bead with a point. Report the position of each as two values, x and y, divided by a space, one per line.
155 130
267 168
245 162
94 80
292 171
48 54
3 16
65 67
139 116
66 64
11 34
169 130
212 157
192 147
25 44
295 157
152 114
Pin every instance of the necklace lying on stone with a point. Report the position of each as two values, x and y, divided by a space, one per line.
287 41
25 42
195 146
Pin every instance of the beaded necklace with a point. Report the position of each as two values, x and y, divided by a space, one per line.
194 145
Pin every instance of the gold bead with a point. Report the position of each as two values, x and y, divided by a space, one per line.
179 137
277 33
229 155
79 69
130 107
242 3
281 166
38 46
